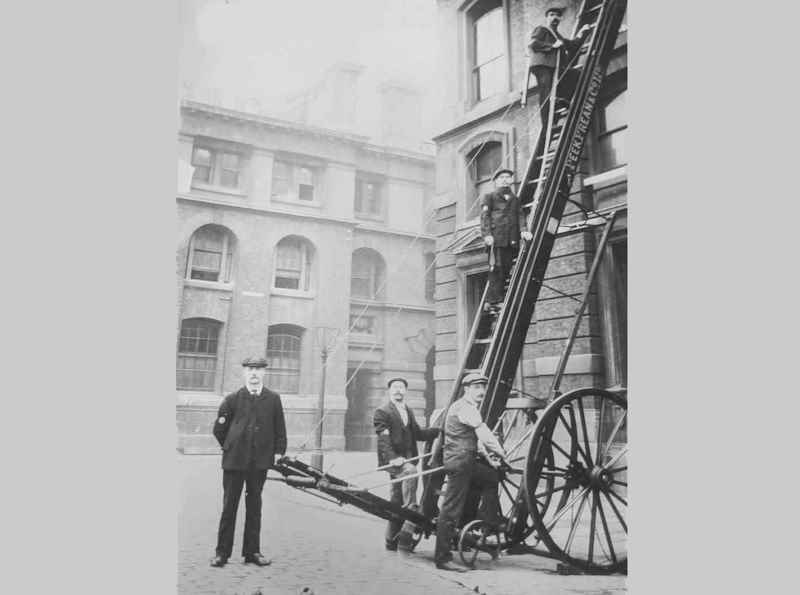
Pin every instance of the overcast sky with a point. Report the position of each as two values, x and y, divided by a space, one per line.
266 49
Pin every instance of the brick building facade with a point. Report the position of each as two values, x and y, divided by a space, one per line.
483 65
288 227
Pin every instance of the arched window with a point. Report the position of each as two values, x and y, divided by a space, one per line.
283 356
210 254
293 259
482 161
197 354
487 48
367 275
612 125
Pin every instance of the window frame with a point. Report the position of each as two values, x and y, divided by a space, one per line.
473 12
615 86
276 376
197 355
225 272
217 152
380 213
475 183
295 185
305 278
376 274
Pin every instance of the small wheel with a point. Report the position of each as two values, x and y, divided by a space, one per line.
577 464
474 542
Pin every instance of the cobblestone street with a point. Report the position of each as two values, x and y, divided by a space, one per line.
327 549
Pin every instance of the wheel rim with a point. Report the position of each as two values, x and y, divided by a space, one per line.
576 473
473 546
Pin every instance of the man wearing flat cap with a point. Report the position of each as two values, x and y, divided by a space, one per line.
398 433
464 431
546 49
502 225
251 430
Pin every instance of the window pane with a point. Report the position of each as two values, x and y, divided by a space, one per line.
229 161
614 113
280 179
305 192
207 254
612 150
362 324
197 357
229 179
491 78
283 356
305 176
489 36
201 174
488 160
201 157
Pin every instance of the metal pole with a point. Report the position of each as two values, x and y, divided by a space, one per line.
316 455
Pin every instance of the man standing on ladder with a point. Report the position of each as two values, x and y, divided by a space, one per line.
502 224
463 430
398 433
544 52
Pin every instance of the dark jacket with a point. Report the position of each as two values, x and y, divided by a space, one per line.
502 218
250 429
392 444
541 47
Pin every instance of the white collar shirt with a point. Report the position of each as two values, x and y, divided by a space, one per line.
401 409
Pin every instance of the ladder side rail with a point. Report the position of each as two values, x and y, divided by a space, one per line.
534 258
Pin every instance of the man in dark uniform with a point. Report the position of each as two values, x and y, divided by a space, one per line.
463 429
545 44
251 429
502 224
398 433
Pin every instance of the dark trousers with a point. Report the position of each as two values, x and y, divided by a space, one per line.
478 477
503 257
403 493
232 482
544 83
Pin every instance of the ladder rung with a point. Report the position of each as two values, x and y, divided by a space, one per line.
547 155
483 341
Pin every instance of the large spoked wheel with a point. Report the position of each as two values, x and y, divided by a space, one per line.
477 542
577 464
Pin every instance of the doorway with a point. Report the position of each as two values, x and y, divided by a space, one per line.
359 433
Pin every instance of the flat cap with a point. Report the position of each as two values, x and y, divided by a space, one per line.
254 362
502 170
398 379
473 378
557 9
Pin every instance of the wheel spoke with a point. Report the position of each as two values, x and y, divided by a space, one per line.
617 496
618 456
574 434
599 427
565 508
617 469
575 522
566 486
613 435
620 483
507 491
519 442
585 432
605 529
592 526
616 511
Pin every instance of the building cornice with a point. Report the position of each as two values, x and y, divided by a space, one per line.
358 140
